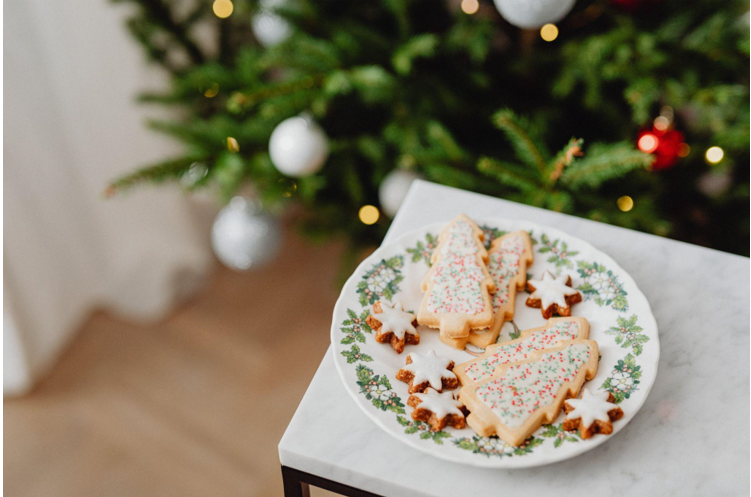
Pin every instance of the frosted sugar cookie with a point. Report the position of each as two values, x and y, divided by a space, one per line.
393 325
555 331
428 370
437 409
593 413
552 294
458 286
510 256
519 397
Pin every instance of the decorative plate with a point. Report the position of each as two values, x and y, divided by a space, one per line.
620 318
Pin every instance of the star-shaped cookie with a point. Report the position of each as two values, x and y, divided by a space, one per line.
424 370
552 294
593 413
438 409
393 325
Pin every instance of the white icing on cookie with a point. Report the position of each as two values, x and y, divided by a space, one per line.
441 404
527 387
551 290
429 367
395 320
591 407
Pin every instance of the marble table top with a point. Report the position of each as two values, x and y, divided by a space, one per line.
690 438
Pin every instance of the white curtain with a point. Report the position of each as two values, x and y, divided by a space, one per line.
71 124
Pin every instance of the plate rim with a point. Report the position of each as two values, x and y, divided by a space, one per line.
500 463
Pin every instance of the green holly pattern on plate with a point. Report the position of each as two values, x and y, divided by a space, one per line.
624 380
355 327
559 255
414 426
559 435
602 285
355 354
628 334
491 234
377 389
382 281
495 447
423 250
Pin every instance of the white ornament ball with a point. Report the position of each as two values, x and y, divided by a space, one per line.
532 14
270 28
394 188
714 184
298 147
242 237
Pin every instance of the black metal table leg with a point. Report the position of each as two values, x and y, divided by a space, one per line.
296 484
293 486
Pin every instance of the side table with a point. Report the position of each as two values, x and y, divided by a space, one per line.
700 298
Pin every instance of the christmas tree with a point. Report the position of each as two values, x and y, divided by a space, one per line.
631 112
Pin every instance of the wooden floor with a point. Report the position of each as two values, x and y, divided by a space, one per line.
194 405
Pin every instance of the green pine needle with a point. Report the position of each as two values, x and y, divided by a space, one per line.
603 163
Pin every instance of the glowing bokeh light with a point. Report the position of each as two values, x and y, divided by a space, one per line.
683 150
369 214
714 155
223 8
648 143
549 32
470 6
661 123
625 203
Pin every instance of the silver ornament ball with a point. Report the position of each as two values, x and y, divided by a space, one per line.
242 237
394 188
532 14
270 28
298 146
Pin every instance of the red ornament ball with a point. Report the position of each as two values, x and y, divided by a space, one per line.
663 144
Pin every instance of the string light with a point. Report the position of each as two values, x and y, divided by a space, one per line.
625 203
714 155
232 144
223 8
648 143
470 6
667 112
683 150
549 32
369 214
661 123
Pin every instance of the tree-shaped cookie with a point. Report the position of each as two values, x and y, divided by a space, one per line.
458 286
521 396
509 255
555 331
553 295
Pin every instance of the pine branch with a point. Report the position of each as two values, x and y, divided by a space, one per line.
304 53
603 163
449 175
240 101
564 158
157 173
508 174
143 32
526 148
160 13
439 135
420 46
